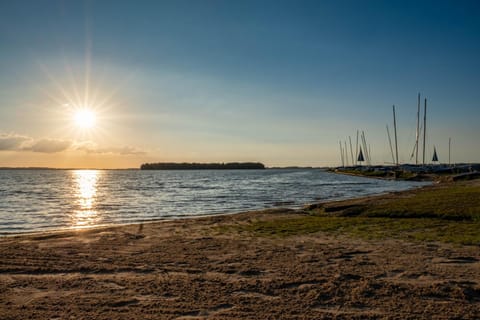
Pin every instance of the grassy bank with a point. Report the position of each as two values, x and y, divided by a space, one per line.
447 213
459 202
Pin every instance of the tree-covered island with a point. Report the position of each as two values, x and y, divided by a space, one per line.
203 166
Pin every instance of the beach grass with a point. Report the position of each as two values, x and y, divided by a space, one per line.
413 229
454 202
447 213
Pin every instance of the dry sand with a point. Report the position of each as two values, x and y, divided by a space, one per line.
189 269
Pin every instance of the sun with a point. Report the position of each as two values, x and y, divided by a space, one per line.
84 118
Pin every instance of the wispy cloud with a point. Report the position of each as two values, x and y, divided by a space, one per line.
49 146
17 142
91 147
21 143
12 141
124 151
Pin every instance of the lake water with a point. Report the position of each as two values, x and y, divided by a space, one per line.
38 200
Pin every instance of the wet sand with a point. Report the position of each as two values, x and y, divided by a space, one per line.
194 269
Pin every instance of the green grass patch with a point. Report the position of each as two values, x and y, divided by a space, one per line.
449 213
457 202
460 232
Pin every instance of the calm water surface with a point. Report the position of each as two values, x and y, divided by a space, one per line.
37 200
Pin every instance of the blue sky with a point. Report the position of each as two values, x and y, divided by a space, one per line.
274 81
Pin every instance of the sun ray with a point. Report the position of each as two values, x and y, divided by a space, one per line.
73 83
59 87
86 96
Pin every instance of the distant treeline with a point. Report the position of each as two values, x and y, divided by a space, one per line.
201 166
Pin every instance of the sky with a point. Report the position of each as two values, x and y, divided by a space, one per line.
279 82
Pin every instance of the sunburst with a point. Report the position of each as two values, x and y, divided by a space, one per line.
79 108
85 118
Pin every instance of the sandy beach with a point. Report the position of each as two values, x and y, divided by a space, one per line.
214 268
248 159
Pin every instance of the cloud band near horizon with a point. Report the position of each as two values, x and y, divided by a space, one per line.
22 143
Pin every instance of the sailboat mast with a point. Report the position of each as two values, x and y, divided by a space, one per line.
365 152
390 142
395 130
351 149
364 142
369 151
424 129
418 129
346 153
356 151
341 154
449 148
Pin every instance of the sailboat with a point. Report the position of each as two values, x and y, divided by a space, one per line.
435 156
360 156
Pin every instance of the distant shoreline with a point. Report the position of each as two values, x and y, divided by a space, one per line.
48 168
203 166
138 169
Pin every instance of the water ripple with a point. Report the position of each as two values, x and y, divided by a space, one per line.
36 200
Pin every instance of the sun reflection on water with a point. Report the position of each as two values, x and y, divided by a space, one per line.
85 182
